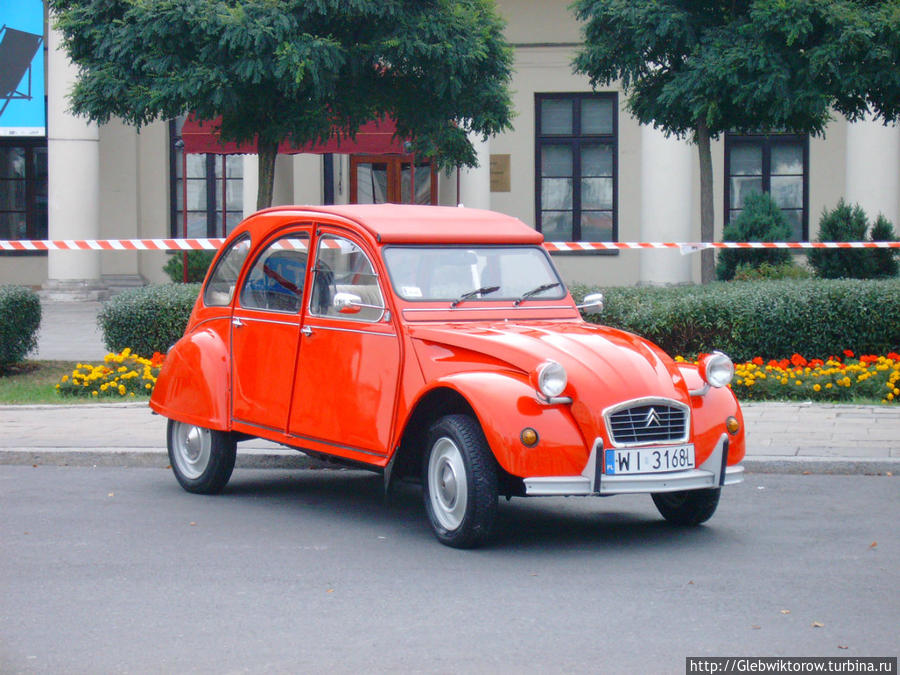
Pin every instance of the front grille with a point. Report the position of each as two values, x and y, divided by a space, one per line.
648 423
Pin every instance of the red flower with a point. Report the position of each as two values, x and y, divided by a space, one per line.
894 356
758 360
816 363
157 359
798 361
848 353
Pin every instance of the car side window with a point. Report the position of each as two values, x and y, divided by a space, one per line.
220 288
275 281
345 285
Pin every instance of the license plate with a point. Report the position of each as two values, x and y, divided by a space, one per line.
649 460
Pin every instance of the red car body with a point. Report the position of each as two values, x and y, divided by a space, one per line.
396 337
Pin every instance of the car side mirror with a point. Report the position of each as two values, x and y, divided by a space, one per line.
347 303
592 303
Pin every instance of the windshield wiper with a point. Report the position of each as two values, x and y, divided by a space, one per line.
484 290
535 291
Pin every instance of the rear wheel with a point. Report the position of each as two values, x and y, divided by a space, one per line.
202 459
689 507
460 482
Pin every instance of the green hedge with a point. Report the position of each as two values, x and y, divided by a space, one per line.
148 319
771 319
20 318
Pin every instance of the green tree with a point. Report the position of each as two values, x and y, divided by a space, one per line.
295 70
843 223
696 69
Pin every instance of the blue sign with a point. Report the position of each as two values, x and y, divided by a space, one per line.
22 109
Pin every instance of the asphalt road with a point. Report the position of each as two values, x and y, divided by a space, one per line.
113 570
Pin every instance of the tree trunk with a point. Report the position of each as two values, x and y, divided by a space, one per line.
707 210
268 151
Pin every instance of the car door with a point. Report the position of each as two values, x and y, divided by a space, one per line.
348 365
265 331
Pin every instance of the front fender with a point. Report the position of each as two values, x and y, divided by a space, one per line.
505 404
193 384
709 413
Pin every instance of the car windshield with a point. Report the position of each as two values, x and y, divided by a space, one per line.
472 274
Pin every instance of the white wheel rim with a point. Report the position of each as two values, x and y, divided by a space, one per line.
447 484
191 447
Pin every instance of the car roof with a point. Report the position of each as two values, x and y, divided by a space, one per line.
418 224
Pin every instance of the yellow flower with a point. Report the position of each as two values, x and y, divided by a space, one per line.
65 378
94 393
817 387
121 389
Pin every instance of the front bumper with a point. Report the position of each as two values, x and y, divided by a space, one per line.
714 472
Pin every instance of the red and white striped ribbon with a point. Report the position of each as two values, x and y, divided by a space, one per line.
213 244
110 244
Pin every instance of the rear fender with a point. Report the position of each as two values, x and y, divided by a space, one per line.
193 384
505 404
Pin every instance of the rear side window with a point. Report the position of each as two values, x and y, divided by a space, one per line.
275 282
220 288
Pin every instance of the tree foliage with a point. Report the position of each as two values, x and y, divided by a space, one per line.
295 70
698 68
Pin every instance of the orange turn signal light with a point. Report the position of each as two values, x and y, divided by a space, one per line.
529 437
732 425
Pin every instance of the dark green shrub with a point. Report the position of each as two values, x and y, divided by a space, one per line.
20 318
198 262
768 272
148 319
844 223
772 319
884 259
760 220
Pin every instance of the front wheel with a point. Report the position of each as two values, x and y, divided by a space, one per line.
202 459
689 507
460 482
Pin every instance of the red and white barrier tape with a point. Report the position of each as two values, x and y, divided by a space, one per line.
213 244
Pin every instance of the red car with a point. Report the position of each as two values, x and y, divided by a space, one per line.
437 343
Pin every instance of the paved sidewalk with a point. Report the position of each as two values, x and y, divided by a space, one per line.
781 438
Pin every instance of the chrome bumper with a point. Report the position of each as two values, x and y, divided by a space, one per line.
714 472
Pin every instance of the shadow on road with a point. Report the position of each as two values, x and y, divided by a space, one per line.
356 499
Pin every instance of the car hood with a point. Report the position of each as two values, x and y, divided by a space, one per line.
604 365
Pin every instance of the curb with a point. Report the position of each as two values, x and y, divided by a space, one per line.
289 459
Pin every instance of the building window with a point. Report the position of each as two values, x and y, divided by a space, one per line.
23 189
210 185
576 166
774 163
393 179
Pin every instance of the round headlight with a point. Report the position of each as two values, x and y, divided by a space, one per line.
718 370
551 378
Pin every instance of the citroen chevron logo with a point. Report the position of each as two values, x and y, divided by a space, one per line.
652 419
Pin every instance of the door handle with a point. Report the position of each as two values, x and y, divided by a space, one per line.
306 330
236 322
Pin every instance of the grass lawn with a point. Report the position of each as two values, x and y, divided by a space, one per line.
34 382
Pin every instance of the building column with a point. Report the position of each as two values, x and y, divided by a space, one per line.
666 206
873 169
475 182
73 166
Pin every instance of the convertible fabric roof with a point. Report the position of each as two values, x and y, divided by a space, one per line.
406 224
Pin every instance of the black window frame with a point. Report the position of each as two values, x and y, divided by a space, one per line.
766 141
576 139
216 219
36 215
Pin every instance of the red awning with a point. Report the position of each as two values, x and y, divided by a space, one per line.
373 138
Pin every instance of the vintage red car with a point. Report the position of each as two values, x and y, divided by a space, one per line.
440 344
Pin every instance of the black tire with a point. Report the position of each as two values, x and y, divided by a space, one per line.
202 459
690 507
459 476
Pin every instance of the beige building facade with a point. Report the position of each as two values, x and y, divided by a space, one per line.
576 165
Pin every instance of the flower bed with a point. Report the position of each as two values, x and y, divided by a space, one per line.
839 378
122 375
